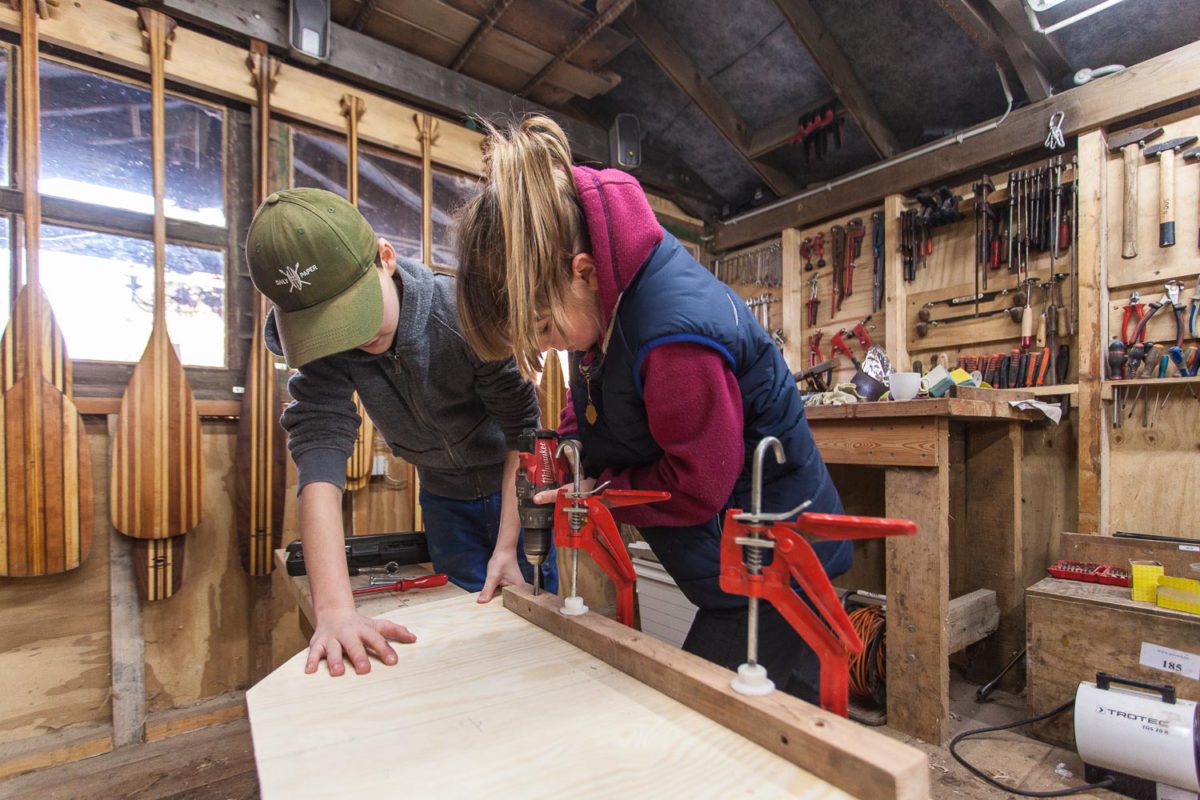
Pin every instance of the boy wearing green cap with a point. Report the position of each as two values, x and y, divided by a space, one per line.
350 316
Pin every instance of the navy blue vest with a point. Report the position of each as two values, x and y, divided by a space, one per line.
674 299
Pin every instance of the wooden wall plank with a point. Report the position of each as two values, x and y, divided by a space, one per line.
918 657
1175 558
1092 336
55 649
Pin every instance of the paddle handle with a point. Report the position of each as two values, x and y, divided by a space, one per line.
158 29
30 165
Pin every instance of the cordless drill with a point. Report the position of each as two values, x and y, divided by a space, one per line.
540 469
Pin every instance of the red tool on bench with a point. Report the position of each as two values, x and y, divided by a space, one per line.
582 521
824 625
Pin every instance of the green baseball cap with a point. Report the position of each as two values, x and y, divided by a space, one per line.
312 254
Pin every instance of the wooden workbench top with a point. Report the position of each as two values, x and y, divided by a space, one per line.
951 407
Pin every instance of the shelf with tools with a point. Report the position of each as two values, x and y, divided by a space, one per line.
1108 387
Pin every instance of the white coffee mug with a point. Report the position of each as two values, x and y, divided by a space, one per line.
905 385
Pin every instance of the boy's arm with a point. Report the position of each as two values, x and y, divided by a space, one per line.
322 425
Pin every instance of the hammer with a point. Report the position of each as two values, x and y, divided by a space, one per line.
1166 185
1130 144
1193 154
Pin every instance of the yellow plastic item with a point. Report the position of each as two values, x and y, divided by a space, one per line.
1145 576
1180 594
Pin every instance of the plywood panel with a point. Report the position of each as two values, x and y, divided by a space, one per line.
1151 468
54 644
210 614
463 695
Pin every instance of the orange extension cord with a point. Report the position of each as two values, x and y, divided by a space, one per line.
868 670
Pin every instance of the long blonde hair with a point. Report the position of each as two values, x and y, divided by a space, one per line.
516 239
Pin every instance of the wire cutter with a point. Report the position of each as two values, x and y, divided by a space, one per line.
1134 311
1171 298
1195 312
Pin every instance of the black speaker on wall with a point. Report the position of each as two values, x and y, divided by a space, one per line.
625 142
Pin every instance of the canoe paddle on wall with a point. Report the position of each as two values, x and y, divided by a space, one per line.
157 481
45 472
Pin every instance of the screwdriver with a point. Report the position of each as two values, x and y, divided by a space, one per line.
404 584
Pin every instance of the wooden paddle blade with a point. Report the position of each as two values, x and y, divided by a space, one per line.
358 466
261 463
56 366
46 514
157 478
158 567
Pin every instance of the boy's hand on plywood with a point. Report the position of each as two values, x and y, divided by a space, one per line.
348 636
502 570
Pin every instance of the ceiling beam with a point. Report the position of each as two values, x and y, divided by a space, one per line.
595 26
1041 46
1161 81
360 18
834 65
679 67
486 24
1005 49
363 61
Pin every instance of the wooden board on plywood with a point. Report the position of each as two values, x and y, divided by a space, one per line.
1175 557
466 687
1077 629
853 758
1154 264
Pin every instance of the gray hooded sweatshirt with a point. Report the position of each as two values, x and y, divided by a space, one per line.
436 404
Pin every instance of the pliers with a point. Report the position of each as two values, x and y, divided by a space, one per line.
1133 311
1171 298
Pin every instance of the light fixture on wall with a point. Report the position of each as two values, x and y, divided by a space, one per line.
308 30
625 142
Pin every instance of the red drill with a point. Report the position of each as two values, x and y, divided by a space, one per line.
539 471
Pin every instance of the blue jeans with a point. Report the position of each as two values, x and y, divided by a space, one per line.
462 536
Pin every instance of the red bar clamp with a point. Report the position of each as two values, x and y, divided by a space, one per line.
582 521
827 630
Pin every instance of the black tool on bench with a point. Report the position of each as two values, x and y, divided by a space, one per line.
374 550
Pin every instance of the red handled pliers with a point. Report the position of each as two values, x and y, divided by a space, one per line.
1133 311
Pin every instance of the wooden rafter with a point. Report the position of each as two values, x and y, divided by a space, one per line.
598 24
486 24
684 72
1041 47
996 38
836 68
360 19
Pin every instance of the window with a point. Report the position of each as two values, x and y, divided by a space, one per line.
450 191
97 264
389 196
101 287
389 188
96 147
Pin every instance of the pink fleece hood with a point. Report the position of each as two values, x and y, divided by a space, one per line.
622 228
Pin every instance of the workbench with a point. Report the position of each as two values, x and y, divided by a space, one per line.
512 697
912 442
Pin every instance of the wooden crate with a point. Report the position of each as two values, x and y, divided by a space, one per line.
1078 629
